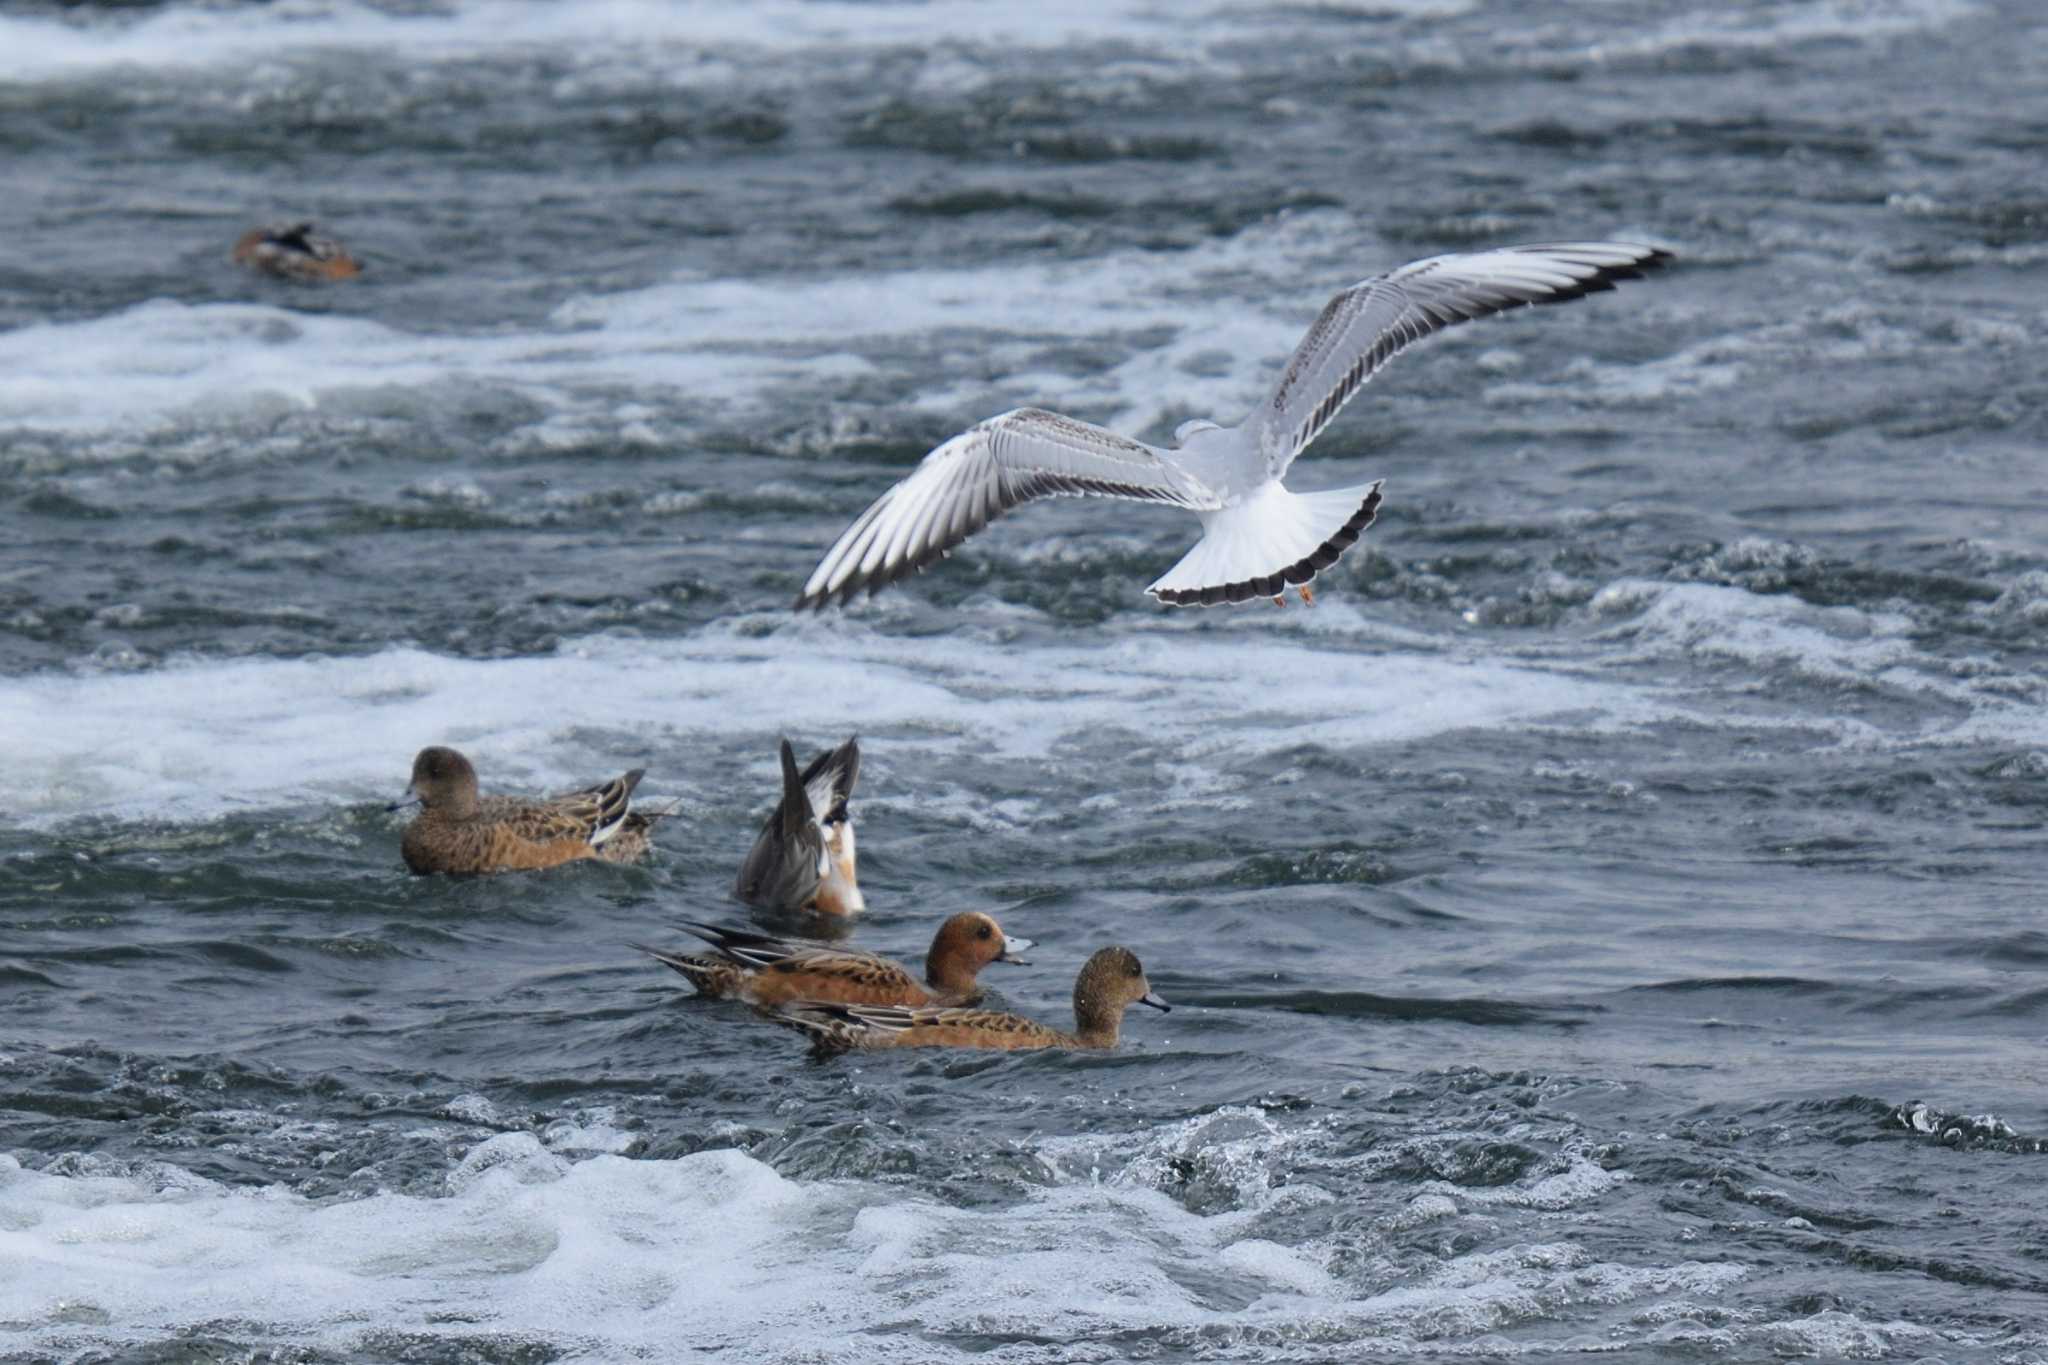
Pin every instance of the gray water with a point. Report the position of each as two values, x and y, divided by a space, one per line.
1609 921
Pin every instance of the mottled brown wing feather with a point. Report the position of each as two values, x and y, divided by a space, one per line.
507 848
827 1026
537 822
632 843
600 808
580 815
472 846
711 976
955 1028
838 978
1020 1035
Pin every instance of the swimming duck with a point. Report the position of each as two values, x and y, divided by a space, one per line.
294 251
804 856
459 831
767 972
1111 980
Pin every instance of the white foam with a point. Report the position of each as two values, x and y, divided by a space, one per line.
1581 1182
972 338
1682 374
611 1258
676 44
949 340
1232 1151
226 735
648 33
1838 1335
1780 25
162 364
268 733
627 1251
1837 647
1283 1267
701 43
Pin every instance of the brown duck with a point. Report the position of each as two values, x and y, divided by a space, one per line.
294 251
459 831
767 972
1111 981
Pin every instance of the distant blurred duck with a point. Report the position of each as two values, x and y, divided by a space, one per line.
459 831
293 251
804 857
1111 981
768 971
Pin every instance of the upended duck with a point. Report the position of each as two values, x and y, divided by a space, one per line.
804 856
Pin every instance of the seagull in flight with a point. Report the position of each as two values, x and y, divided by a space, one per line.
1258 536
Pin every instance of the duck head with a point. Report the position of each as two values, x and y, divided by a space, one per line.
442 781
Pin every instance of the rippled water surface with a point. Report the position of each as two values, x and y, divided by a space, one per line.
1610 921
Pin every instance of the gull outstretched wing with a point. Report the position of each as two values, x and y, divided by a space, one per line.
979 475
1373 321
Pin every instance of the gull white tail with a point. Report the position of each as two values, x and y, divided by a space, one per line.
1273 540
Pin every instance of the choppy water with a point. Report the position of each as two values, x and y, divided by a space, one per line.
1611 921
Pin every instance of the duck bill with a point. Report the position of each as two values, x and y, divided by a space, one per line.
411 798
1012 947
1152 998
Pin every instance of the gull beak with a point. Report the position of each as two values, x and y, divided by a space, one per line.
1152 998
1012 945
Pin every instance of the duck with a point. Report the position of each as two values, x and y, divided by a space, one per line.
804 857
459 831
1110 981
293 251
767 972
